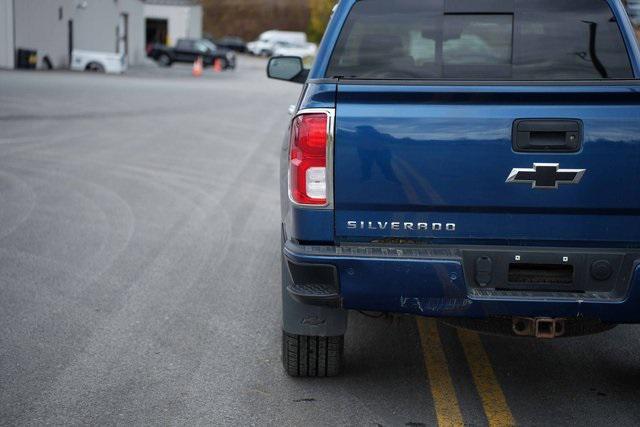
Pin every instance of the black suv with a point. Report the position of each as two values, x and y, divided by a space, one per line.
188 50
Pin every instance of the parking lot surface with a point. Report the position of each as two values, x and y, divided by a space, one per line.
140 278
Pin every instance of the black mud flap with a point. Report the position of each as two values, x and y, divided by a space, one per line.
304 319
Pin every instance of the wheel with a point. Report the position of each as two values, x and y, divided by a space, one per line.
164 60
308 356
94 67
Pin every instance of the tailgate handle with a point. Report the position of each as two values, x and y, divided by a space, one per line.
557 136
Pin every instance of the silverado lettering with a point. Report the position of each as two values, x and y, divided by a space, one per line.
384 225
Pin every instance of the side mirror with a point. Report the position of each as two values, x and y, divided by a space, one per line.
289 68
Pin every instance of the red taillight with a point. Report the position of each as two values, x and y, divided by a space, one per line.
308 159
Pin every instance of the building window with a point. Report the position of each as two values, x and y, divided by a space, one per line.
60 14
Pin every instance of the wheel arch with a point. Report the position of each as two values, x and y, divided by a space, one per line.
95 65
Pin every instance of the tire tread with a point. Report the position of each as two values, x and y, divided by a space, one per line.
309 356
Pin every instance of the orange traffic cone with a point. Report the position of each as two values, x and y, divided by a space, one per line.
217 65
197 67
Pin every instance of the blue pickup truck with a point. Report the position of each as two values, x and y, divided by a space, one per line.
476 161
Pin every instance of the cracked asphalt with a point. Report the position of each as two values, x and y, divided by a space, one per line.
140 268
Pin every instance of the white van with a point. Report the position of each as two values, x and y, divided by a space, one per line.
267 41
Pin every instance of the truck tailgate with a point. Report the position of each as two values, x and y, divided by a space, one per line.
432 162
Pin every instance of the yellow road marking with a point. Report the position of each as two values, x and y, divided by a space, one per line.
493 399
444 395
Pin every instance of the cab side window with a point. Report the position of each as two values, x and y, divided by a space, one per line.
201 47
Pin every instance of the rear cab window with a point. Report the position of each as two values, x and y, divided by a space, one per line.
481 40
184 44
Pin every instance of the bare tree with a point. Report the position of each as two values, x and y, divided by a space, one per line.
248 18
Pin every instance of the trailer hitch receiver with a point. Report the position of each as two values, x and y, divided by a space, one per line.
541 327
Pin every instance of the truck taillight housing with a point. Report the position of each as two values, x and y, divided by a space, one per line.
309 150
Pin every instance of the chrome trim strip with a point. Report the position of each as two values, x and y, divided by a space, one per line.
331 114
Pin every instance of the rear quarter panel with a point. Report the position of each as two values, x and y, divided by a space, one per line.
301 223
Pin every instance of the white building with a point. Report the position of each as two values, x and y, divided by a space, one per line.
166 21
54 28
7 55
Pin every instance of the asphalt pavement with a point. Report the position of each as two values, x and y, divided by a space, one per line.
140 278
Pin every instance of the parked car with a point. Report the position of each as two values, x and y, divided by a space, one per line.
499 192
99 62
188 50
267 41
291 49
232 43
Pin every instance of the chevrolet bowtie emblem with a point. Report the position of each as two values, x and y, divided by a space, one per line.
545 175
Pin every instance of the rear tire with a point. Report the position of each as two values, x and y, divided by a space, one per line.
164 60
309 356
